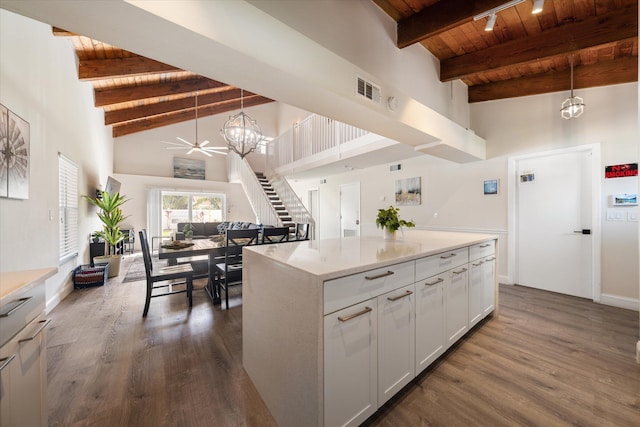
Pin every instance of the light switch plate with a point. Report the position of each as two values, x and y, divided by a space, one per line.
615 215
632 216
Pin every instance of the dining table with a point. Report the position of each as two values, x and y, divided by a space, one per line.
183 251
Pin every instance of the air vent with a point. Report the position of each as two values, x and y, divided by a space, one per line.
394 168
368 90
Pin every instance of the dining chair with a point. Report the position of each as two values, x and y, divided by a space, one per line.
229 272
165 277
275 235
302 231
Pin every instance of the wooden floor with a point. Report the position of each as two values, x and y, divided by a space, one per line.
547 360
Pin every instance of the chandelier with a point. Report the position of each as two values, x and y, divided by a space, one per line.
572 107
241 132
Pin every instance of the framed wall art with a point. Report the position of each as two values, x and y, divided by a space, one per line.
188 168
408 191
14 155
491 186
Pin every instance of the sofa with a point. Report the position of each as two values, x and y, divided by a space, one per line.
206 230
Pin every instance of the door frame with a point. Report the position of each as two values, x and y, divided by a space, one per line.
596 209
349 184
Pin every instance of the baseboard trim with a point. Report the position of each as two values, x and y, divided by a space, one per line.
638 352
59 296
504 280
620 302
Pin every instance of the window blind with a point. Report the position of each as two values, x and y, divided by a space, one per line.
68 207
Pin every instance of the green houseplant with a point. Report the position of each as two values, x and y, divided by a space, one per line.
111 216
188 231
389 220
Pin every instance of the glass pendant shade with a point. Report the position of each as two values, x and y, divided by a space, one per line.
241 132
572 108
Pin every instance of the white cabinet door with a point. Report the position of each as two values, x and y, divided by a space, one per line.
396 341
350 365
489 284
476 292
455 297
430 341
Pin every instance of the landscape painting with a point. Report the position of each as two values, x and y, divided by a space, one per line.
188 168
408 191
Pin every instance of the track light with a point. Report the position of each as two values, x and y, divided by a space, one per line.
537 6
490 22
492 13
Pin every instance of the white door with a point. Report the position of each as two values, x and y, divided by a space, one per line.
553 223
350 210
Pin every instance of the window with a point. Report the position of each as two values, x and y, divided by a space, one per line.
68 207
190 207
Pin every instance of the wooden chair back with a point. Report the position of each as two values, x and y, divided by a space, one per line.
275 235
146 253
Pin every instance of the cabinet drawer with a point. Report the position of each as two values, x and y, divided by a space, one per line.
19 311
482 250
436 264
345 291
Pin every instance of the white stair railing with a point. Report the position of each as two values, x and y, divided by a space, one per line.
239 170
294 206
313 135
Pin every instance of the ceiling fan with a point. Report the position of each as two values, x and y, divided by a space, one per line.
197 146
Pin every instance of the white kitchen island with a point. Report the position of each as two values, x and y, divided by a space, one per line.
333 328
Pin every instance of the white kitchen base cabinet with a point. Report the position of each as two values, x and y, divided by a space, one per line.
396 341
430 342
351 367
455 300
489 284
476 292
333 328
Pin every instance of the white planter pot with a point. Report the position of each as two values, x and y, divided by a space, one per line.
388 235
112 260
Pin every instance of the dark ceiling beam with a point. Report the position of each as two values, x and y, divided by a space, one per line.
623 70
93 69
440 17
142 111
104 97
184 115
621 24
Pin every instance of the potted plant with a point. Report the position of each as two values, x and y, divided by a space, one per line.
95 236
389 220
188 231
111 216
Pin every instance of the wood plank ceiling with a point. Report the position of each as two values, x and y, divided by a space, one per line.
525 54
138 93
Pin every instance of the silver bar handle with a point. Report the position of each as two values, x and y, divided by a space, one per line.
460 271
22 302
440 280
5 361
486 245
406 294
491 259
448 256
354 315
43 324
477 264
379 276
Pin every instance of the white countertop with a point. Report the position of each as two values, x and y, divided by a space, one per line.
331 258
15 281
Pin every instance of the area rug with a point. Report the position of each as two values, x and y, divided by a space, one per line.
136 269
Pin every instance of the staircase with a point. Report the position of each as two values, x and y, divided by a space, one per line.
274 199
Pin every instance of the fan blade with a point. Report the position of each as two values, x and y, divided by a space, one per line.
173 143
190 151
204 152
218 148
185 141
204 143
177 148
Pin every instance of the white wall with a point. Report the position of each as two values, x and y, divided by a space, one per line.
38 81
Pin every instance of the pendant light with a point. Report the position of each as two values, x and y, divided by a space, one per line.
572 107
241 132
